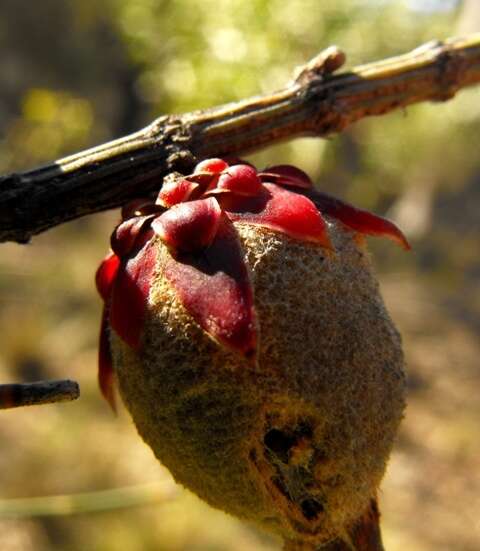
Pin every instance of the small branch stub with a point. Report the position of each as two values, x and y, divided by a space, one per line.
326 62
42 392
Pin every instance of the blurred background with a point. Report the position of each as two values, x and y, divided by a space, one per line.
78 73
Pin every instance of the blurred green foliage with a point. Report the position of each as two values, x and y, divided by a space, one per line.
77 73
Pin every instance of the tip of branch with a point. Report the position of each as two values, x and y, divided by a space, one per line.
41 392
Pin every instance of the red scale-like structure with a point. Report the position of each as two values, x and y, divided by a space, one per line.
193 215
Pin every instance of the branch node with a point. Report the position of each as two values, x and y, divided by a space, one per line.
181 161
451 65
325 63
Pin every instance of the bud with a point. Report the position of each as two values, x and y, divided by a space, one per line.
251 346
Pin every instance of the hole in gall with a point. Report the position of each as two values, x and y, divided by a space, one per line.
311 508
279 443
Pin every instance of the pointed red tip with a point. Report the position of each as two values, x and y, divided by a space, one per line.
239 179
359 220
189 226
106 273
129 298
105 366
174 192
212 166
129 234
286 175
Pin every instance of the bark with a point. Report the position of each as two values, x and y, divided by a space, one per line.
315 103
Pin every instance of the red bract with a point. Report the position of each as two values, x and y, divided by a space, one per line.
127 234
189 226
213 166
240 180
105 366
174 192
205 261
214 286
361 221
286 175
129 295
106 274
280 210
104 279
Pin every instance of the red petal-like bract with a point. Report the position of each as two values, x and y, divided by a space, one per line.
175 192
128 234
130 292
205 264
214 286
241 180
105 279
207 172
286 175
213 166
105 366
189 226
359 220
106 273
280 210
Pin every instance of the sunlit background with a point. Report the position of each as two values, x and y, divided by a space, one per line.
77 73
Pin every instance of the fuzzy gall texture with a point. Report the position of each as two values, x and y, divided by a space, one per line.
299 442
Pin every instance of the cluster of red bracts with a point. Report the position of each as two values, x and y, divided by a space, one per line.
193 216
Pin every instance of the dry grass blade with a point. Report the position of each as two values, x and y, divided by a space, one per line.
89 502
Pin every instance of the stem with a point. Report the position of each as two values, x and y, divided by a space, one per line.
363 535
42 392
315 103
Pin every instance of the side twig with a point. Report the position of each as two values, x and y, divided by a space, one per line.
314 103
42 392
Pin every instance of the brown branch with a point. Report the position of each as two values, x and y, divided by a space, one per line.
41 392
315 103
